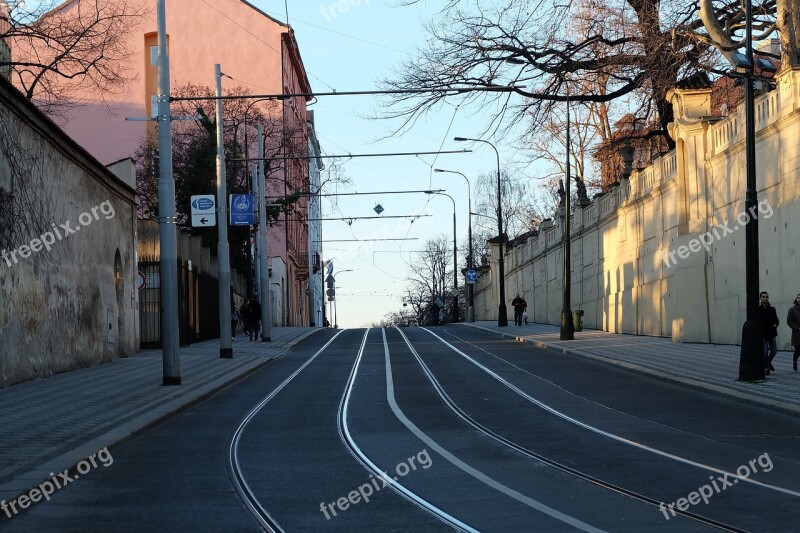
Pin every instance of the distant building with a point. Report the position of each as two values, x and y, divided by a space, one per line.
316 293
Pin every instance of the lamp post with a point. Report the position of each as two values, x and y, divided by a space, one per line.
751 357
455 257
470 262
250 282
168 233
502 315
335 321
567 326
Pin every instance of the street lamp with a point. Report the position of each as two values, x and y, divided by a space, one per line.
335 322
455 257
751 356
567 326
470 263
502 315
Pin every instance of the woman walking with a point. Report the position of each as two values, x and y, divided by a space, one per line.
793 321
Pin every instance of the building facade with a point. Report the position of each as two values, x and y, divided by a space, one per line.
316 295
663 253
68 282
256 52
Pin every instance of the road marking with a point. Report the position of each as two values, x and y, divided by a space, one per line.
458 463
608 434
350 443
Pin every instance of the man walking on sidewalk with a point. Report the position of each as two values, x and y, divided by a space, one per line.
519 304
769 324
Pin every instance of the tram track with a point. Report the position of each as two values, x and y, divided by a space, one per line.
458 411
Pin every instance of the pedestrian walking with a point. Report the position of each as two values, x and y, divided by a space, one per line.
793 321
769 325
254 318
234 320
244 311
519 304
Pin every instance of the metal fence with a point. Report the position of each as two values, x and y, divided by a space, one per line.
198 304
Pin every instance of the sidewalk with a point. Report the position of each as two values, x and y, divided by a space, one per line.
710 367
53 423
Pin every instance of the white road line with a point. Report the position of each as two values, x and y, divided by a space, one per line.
344 433
608 434
458 463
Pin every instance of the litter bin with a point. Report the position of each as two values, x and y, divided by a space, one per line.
577 318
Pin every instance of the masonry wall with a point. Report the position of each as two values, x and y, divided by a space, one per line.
73 304
629 272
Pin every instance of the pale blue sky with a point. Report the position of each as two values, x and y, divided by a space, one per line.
353 50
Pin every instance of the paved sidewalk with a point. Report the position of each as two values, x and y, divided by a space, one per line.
53 423
710 367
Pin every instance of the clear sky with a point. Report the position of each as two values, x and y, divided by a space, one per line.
353 50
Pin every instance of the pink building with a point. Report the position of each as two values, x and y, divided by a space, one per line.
259 53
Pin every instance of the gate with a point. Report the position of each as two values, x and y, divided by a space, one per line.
198 307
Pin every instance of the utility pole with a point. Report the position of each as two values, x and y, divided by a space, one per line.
254 188
223 250
751 355
168 237
263 272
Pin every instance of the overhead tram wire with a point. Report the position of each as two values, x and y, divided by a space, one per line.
454 90
387 154
346 218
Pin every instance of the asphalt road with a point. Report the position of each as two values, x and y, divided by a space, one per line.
442 429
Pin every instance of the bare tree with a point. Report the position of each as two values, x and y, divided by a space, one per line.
589 51
431 276
60 50
518 217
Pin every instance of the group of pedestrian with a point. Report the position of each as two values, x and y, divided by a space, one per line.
250 317
768 316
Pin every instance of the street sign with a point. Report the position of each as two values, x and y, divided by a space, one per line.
471 276
141 283
378 209
241 209
204 210
453 292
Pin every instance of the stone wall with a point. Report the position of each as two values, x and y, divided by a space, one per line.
67 240
663 254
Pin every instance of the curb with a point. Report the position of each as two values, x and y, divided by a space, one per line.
709 388
120 435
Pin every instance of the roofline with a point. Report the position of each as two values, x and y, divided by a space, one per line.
79 155
273 19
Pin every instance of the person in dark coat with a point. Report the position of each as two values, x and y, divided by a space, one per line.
234 320
253 318
793 321
769 325
519 304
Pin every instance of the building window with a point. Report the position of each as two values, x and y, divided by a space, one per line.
154 55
